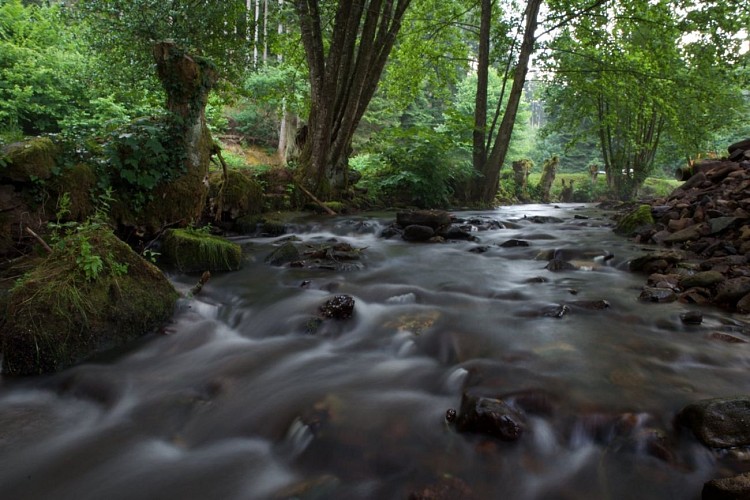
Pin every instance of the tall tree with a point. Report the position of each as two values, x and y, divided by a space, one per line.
344 74
642 70
490 148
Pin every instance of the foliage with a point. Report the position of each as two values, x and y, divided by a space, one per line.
416 166
638 73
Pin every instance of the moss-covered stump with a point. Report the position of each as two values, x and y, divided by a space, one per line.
639 217
29 160
91 294
191 250
242 195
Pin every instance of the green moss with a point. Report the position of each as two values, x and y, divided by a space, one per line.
79 182
29 160
641 216
195 251
243 195
336 206
58 316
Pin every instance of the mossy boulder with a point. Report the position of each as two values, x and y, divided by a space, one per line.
191 250
635 219
79 181
91 294
29 160
242 194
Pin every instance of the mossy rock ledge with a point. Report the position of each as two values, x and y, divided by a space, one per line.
191 250
57 316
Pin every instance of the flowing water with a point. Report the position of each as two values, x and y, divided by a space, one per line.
236 399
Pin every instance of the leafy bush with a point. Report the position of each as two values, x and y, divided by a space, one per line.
415 166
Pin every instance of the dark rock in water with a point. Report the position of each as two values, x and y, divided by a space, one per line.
390 232
594 305
556 312
489 416
743 305
725 337
456 233
447 488
434 219
692 318
480 249
284 254
560 265
514 243
416 232
652 294
537 279
730 488
339 307
543 219
719 422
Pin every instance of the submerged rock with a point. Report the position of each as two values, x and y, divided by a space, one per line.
719 422
91 294
494 417
418 232
339 307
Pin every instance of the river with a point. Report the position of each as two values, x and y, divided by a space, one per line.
237 399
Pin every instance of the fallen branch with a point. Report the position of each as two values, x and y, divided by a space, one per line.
316 200
39 239
199 286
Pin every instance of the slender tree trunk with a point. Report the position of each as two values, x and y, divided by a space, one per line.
479 149
486 182
343 79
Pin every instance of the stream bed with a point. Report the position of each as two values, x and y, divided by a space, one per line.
241 398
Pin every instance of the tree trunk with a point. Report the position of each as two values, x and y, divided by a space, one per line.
343 79
488 173
187 82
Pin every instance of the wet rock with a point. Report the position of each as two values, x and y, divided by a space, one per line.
543 219
556 312
339 307
593 305
729 488
667 258
494 417
732 290
447 488
416 232
634 220
284 254
719 422
692 318
662 295
434 219
725 337
390 232
743 305
514 243
560 265
688 234
480 249
456 233
703 279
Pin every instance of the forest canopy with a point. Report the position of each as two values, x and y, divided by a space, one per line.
420 102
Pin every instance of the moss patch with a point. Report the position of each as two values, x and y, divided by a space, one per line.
58 314
243 195
194 251
641 216
79 182
29 160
